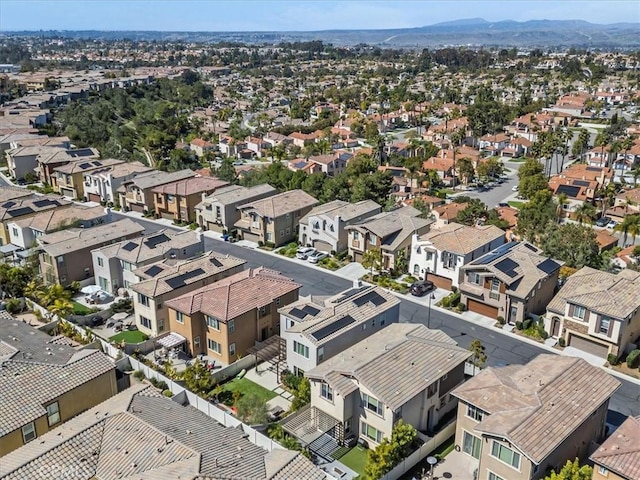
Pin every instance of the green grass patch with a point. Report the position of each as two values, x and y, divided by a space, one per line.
129 336
80 309
517 160
515 204
355 459
445 449
247 387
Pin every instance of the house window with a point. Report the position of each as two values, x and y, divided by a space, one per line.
605 323
320 354
232 349
269 237
579 312
383 318
429 256
372 403
432 390
28 432
493 476
231 326
143 300
213 322
326 392
356 235
471 445
145 322
372 240
60 259
288 231
331 228
160 325
179 317
196 342
100 262
171 198
475 413
603 471
127 266
277 300
53 413
347 425
449 260
505 454
474 278
301 349
495 289
373 322
214 346
371 432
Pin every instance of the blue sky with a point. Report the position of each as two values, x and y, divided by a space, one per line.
241 15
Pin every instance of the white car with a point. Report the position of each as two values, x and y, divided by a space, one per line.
612 224
514 188
303 252
317 256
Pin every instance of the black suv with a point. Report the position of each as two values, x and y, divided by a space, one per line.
421 288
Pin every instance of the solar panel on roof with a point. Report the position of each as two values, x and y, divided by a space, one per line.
581 183
495 254
45 203
548 266
84 165
350 293
180 280
593 169
568 190
8 204
373 297
507 266
154 270
215 262
332 328
153 242
81 152
296 312
97 164
531 247
309 310
18 212
130 246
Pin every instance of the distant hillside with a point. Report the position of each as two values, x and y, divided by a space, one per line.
474 31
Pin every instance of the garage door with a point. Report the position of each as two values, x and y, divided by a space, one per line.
136 207
167 215
322 246
94 197
214 227
482 309
252 237
588 346
440 282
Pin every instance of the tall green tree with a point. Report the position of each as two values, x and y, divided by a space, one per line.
372 260
574 244
572 471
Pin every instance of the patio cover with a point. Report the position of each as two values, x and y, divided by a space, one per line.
172 340
9 248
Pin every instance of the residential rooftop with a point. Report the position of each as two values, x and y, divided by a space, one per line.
537 405
395 363
37 369
231 297
56 218
142 434
461 239
27 205
82 165
122 169
345 210
75 239
620 453
320 321
234 194
281 204
190 186
155 178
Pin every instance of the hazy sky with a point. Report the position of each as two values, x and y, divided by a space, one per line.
241 15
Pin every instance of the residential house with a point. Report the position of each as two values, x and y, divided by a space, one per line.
513 281
315 329
324 227
520 421
517 147
301 140
445 214
493 144
177 200
45 382
629 201
390 232
257 145
167 279
101 184
363 391
626 257
25 206
22 159
618 458
54 157
137 194
225 319
24 232
70 180
597 312
113 265
229 146
274 219
219 211
65 256
200 146
141 434
440 254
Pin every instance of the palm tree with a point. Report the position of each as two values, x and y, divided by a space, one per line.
585 213
634 227
636 174
561 198
53 293
602 139
630 225
34 289
61 308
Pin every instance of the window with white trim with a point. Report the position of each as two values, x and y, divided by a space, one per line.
196 342
475 413
579 312
474 277
28 432
326 392
505 454
214 346
494 291
605 324
212 322
231 325
100 262
53 413
145 322
371 432
232 349
301 349
603 471
143 300
179 317
493 476
373 404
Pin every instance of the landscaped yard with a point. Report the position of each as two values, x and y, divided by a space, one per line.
129 336
514 204
80 309
355 459
247 387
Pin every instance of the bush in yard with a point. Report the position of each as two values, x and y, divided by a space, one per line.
612 359
542 332
562 342
167 393
252 409
526 325
139 374
633 359
519 325
461 307
500 320
445 302
13 305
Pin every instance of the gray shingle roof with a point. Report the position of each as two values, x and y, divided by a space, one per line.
234 194
461 239
345 210
620 453
536 406
280 204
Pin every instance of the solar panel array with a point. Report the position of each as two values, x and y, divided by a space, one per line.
549 266
373 297
9 204
45 203
153 242
332 328
350 293
568 190
154 270
507 266
180 280
495 254
304 311
581 183
215 262
18 212
130 246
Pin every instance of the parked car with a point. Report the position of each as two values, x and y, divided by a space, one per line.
303 252
612 224
602 222
422 287
503 205
315 257
514 188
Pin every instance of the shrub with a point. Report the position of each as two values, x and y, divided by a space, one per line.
612 358
519 325
13 305
269 244
562 342
167 393
526 325
542 332
461 307
260 243
500 320
633 359
159 384
139 374
445 302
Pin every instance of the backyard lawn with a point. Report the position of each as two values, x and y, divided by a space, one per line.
355 459
129 336
80 309
514 204
247 387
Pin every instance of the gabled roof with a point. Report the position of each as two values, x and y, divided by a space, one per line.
461 239
395 363
538 405
82 165
27 205
280 204
190 186
229 298
620 453
345 210
234 194
155 178
56 218
614 295
141 434
37 370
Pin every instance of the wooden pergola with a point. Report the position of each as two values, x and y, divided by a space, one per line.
272 350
